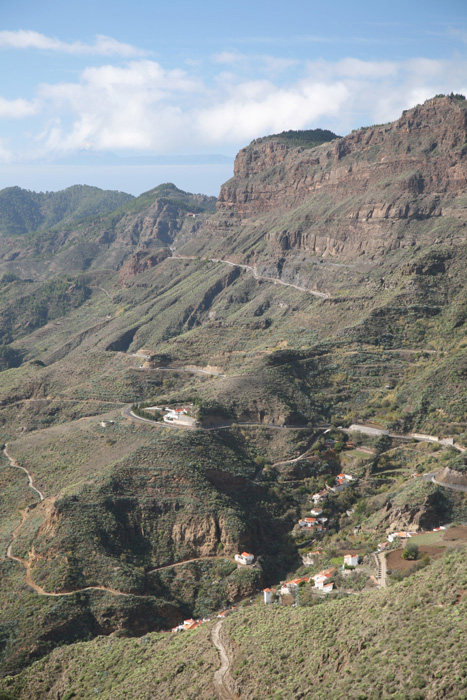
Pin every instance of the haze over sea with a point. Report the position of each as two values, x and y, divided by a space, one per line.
134 179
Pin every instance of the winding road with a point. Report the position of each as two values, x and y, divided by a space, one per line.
222 678
454 487
128 413
248 268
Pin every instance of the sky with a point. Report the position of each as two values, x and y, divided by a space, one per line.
125 79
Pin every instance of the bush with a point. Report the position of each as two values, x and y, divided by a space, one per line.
410 551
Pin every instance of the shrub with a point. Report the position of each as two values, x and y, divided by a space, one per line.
410 551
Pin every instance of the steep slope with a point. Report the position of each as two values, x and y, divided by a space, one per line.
361 198
402 643
95 237
23 211
284 307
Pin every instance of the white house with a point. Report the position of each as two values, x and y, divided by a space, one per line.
402 535
316 511
320 581
323 577
308 522
291 586
327 588
320 496
178 416
245 558
269 595
350 559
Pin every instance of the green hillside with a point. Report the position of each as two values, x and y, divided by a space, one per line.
404 643
23 211
326 289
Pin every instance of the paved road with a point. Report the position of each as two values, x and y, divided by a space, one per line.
248 268
128 413
453 487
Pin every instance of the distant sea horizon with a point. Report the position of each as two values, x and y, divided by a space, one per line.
133 179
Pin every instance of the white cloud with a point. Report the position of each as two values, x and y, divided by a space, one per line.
353 68
143 106
16 109
140 106
256 109
104 45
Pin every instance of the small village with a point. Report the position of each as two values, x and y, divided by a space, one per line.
331 579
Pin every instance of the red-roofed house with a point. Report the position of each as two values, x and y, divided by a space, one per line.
245 558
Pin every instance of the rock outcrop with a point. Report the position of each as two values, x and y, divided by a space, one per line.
353 196
140 262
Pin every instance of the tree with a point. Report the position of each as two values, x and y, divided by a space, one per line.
410 551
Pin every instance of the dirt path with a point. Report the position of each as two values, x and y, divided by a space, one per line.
27 567
248 268
24 562
14 464
294 460
50 399
222 679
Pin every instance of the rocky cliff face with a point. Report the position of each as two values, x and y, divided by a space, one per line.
355 195
156 220
140 262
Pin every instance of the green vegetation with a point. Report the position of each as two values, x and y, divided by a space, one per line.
23 211
410 551
275 374
305 138
410 645
46 302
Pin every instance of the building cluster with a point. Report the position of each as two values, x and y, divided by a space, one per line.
404 536
176 416
321 582
342 482
315 524
190 625
401 535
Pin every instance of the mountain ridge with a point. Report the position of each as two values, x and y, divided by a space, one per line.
166 302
